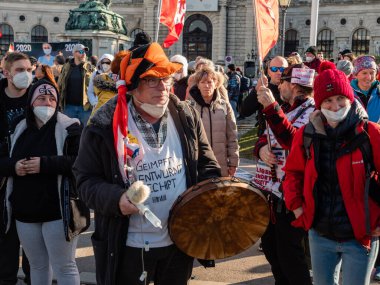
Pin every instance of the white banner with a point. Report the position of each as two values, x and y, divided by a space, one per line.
201 5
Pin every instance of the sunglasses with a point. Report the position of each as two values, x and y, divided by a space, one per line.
276 68
81 51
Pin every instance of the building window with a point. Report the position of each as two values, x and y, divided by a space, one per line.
7 37
360 41
197 37
39 34
325 43
134 32
291 42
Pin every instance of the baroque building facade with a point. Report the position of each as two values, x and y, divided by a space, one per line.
342 24
222 30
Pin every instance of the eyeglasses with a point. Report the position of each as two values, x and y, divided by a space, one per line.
154 82
277 68
81 51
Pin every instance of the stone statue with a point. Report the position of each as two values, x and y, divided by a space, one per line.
102 21
107 3
95 15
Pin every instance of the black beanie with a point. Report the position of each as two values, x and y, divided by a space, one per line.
312 50
346 51
141 39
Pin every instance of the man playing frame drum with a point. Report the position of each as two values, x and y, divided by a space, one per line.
143 137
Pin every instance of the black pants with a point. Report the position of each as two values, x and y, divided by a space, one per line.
283 246
9 258
165 266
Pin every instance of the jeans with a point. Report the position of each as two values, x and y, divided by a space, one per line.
46 247
233 104
328 256
77 112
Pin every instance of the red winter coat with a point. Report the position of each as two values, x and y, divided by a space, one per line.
314 64
301 176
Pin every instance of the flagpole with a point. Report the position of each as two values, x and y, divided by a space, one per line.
273 168
158 20
314 22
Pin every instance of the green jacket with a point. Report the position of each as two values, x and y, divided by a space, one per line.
87 70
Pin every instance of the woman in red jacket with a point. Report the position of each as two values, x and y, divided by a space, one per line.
325 183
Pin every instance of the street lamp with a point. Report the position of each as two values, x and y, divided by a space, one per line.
253 55
284 5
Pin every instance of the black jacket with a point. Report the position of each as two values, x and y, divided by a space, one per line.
4 122
180 88
251 105
101 186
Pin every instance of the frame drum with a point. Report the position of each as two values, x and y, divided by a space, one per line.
218 218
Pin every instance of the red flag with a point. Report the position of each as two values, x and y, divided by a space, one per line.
173 16
266 25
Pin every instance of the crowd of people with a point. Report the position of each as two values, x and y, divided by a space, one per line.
80 134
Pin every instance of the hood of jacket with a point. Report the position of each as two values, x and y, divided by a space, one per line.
108 56
29 114
105 83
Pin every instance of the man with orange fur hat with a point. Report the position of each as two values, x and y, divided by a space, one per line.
148 135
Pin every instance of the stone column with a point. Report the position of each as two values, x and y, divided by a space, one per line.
150 17
222 32
250 42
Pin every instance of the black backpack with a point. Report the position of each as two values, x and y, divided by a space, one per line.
244 84
361 141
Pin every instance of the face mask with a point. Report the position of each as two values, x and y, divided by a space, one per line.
47 51
44 113
156 111
106 67
22 80
338 116
177 76
309 58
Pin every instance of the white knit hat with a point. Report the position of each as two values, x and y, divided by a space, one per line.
182 60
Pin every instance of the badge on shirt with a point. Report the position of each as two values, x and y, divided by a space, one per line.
132 145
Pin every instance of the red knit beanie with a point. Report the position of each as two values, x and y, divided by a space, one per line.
331 82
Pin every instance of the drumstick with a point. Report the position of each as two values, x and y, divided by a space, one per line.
273 168
137 194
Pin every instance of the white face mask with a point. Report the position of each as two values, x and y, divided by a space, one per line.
47 51
177 76
44 113
106 67
309 58
338 116
22 80
156 111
